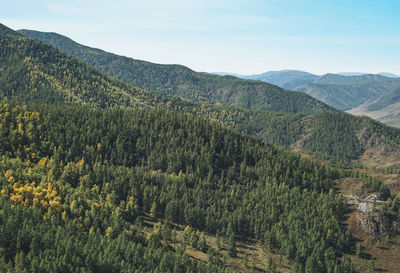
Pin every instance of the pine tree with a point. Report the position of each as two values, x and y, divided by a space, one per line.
232 251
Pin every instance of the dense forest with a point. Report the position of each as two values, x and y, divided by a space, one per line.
329 135
87 161
73 178
186 83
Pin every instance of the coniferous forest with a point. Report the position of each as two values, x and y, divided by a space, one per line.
97 175
84 177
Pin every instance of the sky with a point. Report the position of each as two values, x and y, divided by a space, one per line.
245 37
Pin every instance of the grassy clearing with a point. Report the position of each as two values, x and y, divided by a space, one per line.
251 256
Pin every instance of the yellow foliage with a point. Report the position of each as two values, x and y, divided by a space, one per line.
11 179
55 205
80 163
157 228
95 188
73 206
64 215
43 162
91 230
44 204
149 236
20 128
29 194
9 173
109 231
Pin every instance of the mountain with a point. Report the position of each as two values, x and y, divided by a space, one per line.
385 108
347 92
184 82
385 74
389 75
351 73
228 74
373 95
288 79
112 190
97 175
295 131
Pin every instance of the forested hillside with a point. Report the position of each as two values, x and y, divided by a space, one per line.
341 91
33 71
373 95
184 82
74 178
347 92
99 176
288 79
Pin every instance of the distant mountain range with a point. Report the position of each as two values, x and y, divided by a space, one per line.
367 94
385 74
374 95
252 76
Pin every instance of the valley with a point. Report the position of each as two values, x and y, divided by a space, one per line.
373 95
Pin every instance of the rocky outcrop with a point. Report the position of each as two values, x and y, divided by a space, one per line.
369 215
368 138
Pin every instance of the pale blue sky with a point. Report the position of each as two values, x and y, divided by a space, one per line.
229 35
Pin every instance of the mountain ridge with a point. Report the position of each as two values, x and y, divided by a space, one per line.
184 82
362 93
278 128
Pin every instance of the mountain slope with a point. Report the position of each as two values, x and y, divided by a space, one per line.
84 189
34 71
289 79
342 91
385 108
74 178
289 130
186 83
385 74
374 95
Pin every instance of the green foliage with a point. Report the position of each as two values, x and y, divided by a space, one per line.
181 81
334 135
109 167
358 249
271 267
232 251
34 71
339 91
79 180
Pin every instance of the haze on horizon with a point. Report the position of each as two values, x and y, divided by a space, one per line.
244 37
